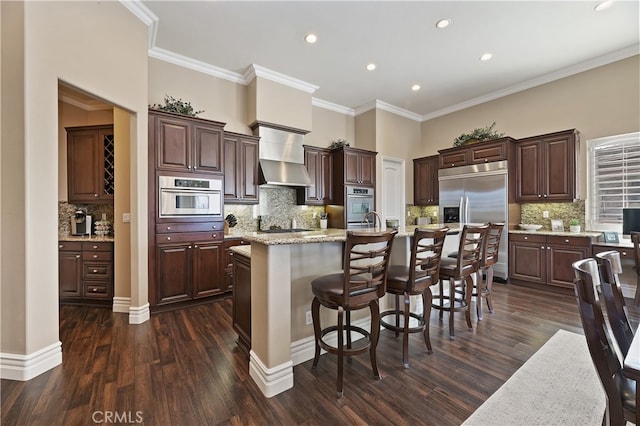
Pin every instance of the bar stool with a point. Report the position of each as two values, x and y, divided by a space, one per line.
459 272
361 283
635 239
415 279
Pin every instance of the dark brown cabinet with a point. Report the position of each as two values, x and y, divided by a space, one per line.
353 166
186 144
227 261
546 259
188 262
425 181
90 164
320 167
546 167
241 313
240 168
85 272
478 153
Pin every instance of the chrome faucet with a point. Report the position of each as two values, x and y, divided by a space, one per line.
375 215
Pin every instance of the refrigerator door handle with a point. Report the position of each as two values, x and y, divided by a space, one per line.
467 216
461 215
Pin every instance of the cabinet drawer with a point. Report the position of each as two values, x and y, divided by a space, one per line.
453 159
569 241
96 291
69 245
488 152
168 228
189 237
102 270
528 238
102 256
625 252
95 246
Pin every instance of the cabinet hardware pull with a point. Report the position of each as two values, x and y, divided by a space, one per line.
168 238
168 228
189 247
60 246
77 256
196 246
95 271
95 256
95 247
95 195
214 235
195 167
94 289
542 247
624 253
526 238
545 195
566 241
453 164
539 195
486 160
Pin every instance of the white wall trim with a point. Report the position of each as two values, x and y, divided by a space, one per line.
121 304
26 367
271 381
333 107
139 314
192 64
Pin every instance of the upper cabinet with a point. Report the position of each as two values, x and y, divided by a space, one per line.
353 166
240 168
320 167
425 181
186 144
546 167
90 164
481 152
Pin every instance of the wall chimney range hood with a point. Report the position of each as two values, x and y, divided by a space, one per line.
281 157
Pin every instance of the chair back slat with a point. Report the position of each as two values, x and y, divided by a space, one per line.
470 249
426 251
366 265
491 247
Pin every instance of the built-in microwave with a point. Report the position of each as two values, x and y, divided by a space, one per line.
187 196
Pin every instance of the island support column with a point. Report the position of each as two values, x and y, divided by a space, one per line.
270 363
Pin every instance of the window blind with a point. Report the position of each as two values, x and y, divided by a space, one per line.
614 181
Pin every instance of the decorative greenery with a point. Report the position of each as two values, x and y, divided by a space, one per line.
338 143
574 222
178 106
480 134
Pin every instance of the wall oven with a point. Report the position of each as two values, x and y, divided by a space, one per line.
188 197
360 201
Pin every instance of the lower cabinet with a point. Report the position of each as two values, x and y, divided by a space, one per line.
85 272
188 266
241 314
546 259
227 262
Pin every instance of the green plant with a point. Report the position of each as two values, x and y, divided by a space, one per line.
574 222
178 106
338 143
480 134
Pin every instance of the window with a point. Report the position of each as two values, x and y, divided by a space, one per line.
613 173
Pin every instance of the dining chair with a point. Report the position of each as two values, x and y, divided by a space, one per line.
459 272
610 267
360 285
412 280
620 391
635 239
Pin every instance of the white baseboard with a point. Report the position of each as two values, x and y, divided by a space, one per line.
121 304
271 381
139 314
26 367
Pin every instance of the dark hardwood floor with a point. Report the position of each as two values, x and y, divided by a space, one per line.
184 368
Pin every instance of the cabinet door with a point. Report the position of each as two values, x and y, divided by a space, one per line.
455 158
486 152
207 149
425 181
351 164
529 172
527 262
70 274
173 144
560 259
559 169
313 191
241 313
249 170
325 177
207 273
367 167
83 166
173 273
231 180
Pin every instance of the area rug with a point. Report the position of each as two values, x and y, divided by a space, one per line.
558 385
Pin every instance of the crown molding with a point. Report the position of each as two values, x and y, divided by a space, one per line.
599 61
384 106
262 72
332 107
146 16
203 67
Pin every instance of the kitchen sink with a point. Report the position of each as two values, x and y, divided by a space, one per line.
283 230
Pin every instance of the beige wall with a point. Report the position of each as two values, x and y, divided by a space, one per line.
600 102
365 130
109 64
122 203
283 105
329 126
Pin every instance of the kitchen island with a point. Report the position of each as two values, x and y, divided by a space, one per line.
282 268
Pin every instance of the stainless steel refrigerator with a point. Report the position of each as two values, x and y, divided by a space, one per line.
478 193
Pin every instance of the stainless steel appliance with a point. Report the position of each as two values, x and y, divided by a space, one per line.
477 194
80 223
359 202
187 196
281 157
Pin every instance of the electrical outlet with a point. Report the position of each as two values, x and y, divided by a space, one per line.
126 217
545 214
309 319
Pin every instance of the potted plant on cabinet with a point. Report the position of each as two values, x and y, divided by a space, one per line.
574 225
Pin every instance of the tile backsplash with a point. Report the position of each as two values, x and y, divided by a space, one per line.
66 211
532 213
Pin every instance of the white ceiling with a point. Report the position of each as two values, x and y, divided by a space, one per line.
532 42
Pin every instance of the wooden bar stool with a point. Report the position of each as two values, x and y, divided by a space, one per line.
415 279
358 286
459 272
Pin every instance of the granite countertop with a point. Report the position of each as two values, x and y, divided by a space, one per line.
243 250
591 234
93 238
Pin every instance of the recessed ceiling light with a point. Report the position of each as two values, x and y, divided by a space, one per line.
415 87
311 38
371 66
603 5
443 23
486 57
